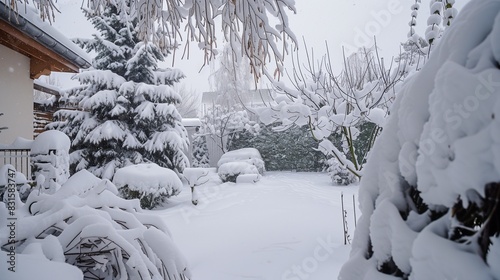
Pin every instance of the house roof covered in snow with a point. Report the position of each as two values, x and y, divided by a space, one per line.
23 31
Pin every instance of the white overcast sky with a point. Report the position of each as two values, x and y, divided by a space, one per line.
351 23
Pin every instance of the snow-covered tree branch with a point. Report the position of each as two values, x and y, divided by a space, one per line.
337 106
245 24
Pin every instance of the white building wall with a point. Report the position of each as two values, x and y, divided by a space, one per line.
16 96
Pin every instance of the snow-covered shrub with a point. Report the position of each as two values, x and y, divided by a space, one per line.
229 171
148 182
200 150
247 155
21 182
430 198
50 160
339 174
87 225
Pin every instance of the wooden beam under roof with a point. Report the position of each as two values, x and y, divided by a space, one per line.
43 60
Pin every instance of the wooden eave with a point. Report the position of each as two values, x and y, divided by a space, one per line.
42 59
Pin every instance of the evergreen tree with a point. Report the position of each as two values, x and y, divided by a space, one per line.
126 106
200 150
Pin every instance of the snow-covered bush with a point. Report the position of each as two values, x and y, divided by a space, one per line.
50 160
87 225
229 171
430 196
248 155
200 150
148 182
339 174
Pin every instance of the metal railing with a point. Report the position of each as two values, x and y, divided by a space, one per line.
19 158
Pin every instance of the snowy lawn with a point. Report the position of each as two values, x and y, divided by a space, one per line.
286 226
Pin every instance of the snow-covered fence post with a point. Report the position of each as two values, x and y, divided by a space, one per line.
50 160
195 177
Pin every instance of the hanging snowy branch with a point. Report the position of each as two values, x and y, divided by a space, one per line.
245 24
338 108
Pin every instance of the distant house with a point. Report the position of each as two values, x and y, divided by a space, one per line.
29 48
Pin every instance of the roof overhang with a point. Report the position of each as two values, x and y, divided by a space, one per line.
45 52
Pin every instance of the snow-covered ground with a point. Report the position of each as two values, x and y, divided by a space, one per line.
286 226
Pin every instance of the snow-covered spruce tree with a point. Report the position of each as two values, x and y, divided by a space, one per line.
200 150
430 196
126 107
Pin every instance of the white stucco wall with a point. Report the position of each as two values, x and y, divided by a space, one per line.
16 96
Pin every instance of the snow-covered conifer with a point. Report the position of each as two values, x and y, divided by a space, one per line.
125 107
200 151
335 106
